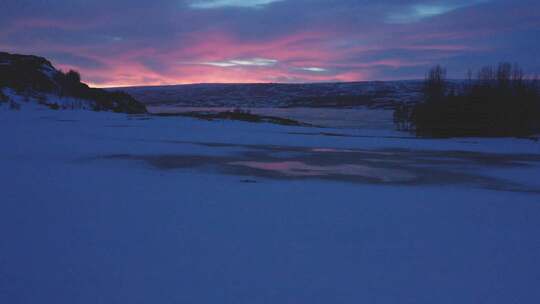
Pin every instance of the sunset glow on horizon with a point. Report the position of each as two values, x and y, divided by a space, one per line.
128 43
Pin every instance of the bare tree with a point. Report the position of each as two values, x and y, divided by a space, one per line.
486 76
435 84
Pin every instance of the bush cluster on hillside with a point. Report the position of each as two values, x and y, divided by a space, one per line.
500 101
104 100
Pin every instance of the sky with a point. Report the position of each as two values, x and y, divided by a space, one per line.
159 42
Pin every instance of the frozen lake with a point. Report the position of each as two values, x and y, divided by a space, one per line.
109 208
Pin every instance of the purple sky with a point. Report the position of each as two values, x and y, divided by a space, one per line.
142 42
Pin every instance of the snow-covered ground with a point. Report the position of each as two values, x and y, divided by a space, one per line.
108 208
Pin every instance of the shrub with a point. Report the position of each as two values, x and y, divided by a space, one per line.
14 106
53 106
3 97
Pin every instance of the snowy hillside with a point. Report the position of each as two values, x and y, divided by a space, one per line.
26 79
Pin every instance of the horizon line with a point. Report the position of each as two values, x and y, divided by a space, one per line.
253 83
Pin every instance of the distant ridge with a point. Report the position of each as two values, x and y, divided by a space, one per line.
374 94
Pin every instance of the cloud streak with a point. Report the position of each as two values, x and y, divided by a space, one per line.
254 62
420 11
215 4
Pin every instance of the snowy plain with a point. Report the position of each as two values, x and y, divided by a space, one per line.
109 208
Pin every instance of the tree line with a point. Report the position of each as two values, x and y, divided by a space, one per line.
497 101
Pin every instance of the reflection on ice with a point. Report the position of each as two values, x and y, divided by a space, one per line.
331 150
297 168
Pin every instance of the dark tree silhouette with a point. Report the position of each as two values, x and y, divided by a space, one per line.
435 84
73 76
3 97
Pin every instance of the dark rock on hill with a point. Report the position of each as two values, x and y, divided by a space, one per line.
32 78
